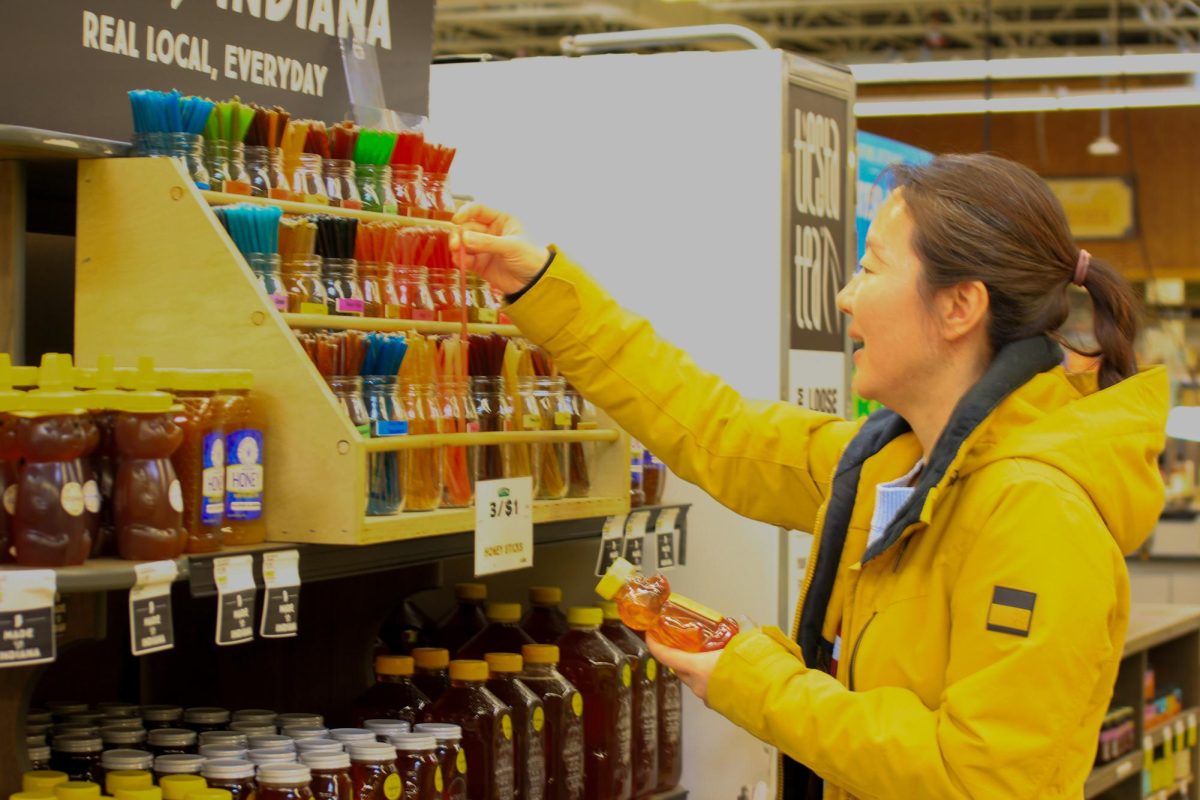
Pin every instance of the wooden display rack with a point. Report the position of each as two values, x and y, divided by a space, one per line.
157 275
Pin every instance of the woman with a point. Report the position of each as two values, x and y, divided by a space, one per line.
962 618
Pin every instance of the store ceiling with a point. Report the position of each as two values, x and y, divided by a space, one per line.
849 31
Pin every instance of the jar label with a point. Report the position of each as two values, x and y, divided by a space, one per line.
651 669
393 311
539 719
472 427
438 783
364 430
460 762
212 480
392 786
280 301
314 308
10 499
423 315
72 499
577 704
487 315
506 726
244 475
91 497
350 305
351 203
626 674
175 496
531 422
390 427
562 420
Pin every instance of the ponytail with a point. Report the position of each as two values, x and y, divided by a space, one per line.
1114 321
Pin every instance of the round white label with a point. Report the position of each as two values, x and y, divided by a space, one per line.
10 499
91 497
72 499
175 494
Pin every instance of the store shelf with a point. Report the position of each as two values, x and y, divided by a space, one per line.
35 144
1154 730
389 444
290 207
1151 624
678 793
327 321
1104 778
416 524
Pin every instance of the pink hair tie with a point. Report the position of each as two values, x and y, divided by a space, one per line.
1081 267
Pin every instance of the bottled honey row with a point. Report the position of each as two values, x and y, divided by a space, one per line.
143 464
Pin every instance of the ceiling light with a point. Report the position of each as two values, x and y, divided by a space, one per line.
1027 68
939 106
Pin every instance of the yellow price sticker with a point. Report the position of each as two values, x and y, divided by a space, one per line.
626 675
531 422
562 420
392 787
461 762
314 308
577 705
438 782
539 719
506 726
651 669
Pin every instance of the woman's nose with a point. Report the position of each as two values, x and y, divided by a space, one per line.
845 298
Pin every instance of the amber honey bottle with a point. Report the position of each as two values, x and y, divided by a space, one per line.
431 671
564 721
503 633
529 724
487 728
544 621
394 695
465 620
645 699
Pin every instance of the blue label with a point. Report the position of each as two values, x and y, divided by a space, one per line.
212 486
244 475
386 427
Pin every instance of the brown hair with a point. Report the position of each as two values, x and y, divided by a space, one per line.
984 218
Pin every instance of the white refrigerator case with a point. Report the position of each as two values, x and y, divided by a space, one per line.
667 177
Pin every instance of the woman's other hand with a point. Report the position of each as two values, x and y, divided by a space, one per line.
693 669
495 248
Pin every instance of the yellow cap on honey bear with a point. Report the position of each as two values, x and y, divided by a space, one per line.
620 573
10 398
504 662
468 670
145 398
55 391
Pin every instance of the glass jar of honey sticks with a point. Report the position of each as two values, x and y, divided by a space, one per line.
412 292
343 290
493 414
437 190
308 180
482 306
460 461
227 166
544 407
281 186
447 299
385 484
375 187
410 190
266 268
258 169
186 148
583 418
348 390
305 288
341 185
423 473
371 278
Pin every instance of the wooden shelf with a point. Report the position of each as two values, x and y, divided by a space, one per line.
1104 778
158 276
387 444
290 207
18 142
1151 624
329 321
1182 716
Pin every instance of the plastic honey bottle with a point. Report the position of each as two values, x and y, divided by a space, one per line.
645 699
603 676
529 724
487 728
394 696
544 621
10 454
102 398
431 671
647 604
670 729
200 460
466 620
244 423
564 721
503 633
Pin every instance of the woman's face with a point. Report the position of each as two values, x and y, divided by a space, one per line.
889 316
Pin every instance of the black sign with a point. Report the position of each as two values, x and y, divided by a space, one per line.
820 130
151 623
281 612
26 637
665 553
76 59
235 617
633 549
610 551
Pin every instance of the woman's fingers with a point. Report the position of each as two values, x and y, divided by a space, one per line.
693 669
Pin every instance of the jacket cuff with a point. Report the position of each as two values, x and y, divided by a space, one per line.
513 297
553 303
750 669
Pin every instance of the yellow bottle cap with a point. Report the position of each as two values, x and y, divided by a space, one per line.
194 380
431 657
540 653
504 662
55 391
145 397
545 595
609 609
620 573
10 398
101 383
151 793
582 615
471 591
468 671
504 612
30 795
177 787
42 780
77 790
210 794
124 779
393 665
237 379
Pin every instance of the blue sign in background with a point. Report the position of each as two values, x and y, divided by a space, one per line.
875 155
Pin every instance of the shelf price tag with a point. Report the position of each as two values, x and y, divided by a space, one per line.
151 628
234 577
666 538
27 617
503 525
281 600
635 537
612 540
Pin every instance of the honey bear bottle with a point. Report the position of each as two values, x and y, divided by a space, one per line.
10 400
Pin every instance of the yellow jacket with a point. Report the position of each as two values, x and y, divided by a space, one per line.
981 636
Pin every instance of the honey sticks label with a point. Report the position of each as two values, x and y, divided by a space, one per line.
236 591
281 599
27 617
151 626
503 525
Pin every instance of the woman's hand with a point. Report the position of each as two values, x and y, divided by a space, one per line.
693 669
496 248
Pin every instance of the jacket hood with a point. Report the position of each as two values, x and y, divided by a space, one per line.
1107 440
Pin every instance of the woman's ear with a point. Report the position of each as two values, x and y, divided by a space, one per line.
961 309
